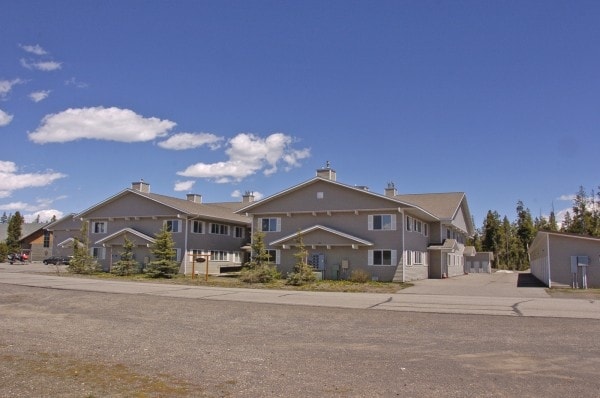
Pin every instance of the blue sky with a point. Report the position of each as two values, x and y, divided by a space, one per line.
499 99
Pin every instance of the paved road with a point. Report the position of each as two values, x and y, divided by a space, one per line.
482 294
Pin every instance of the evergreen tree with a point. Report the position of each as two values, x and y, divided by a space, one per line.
491 234
4 218
127 265
567 222
37 219
163 249
303 272
82 262
260 268
552 224
582 216
53 218
525 233
13 233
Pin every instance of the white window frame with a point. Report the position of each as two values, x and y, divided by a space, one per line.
96 224
409 257
393 257
418 258
170 225
384 226
277 255
98 253
425 229
222 229
409 223
275 220
198 223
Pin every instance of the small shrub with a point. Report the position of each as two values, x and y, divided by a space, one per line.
359 276
263 273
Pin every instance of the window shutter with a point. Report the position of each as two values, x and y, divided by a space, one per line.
394 257
370 259
277 257
393 216
370 224
278 228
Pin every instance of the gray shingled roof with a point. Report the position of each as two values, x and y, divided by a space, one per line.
26 229
442 205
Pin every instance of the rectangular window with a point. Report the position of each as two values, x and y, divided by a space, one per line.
218 255
418 226
46 238
270 224
238 232
99 253
425 229
273 256
408 223
409 257
99 227
418 257
197 227
382 257
382 222
219 229
173 225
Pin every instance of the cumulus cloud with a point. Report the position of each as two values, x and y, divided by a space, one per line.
183 141
38 96
99 123
5 118
45 66
567 198
249 154
34 49
7 85
11 180
184 185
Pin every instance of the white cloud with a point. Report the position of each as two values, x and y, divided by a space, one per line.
11 180
38 96
182 141
110 124
184 185
34 49
568 198
44 215
45 66
74 82
7 85
5 118
248 154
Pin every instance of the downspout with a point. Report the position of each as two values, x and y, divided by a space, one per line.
403 229
548 254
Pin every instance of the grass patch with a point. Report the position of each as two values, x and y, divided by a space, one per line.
233 281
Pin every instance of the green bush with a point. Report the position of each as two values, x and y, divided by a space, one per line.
263 273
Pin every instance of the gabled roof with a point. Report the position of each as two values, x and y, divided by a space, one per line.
352 240
449 244
217 211
126 231
443 205
395 201
26 229
568 235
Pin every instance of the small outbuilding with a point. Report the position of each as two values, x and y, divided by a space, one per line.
565 260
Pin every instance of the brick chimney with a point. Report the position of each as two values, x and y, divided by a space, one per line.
141 186
327 172
194 197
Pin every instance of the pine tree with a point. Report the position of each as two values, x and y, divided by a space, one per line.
303 272
567 222
491 234
127 265
260 268
163 250
83 262
13 233
552 224
582 216
525 233
4 218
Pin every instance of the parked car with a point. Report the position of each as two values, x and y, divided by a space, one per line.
57 260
